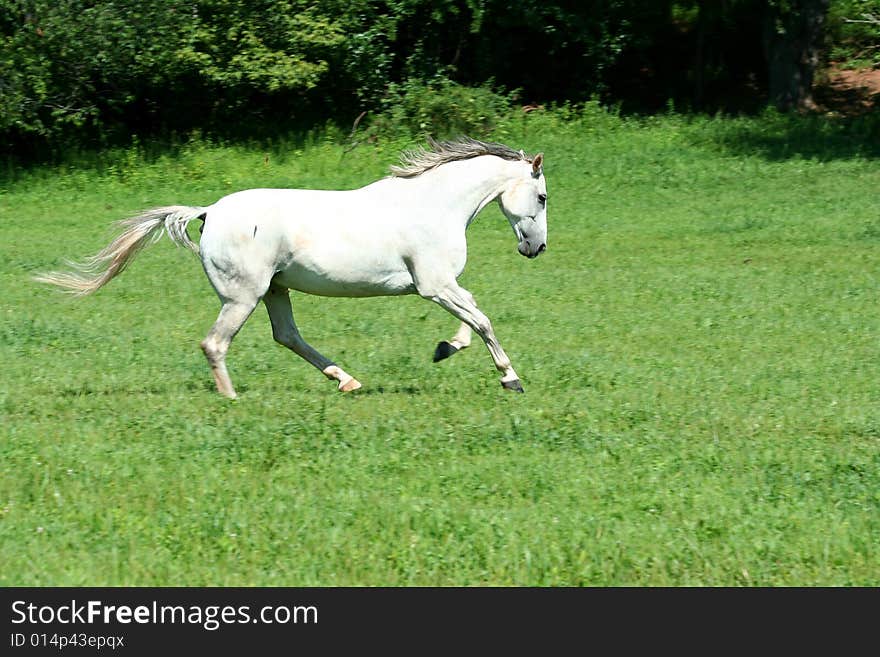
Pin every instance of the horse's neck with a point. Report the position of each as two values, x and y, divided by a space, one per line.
465 187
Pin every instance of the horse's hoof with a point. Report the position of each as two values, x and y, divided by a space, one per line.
443 350
350 385
514 385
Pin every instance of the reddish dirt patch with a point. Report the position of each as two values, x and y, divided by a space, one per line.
848 91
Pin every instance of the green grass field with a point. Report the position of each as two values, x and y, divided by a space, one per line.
700 349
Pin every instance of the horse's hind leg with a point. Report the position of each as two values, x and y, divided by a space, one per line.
459 341
232 317
284 330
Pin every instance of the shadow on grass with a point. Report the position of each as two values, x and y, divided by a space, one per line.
388 390
119 157
778 137
772 135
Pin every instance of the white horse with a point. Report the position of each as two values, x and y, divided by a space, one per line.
403 234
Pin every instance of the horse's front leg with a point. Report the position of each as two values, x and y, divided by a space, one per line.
460 303
461 339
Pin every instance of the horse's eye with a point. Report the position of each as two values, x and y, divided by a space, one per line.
542 199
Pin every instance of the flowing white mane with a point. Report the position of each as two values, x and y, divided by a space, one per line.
415 162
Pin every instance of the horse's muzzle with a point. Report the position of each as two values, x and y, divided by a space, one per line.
526 249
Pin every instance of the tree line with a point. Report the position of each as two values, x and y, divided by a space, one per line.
91 69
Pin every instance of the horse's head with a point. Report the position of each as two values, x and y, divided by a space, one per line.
524 203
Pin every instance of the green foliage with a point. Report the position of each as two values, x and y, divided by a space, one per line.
122 66
269 45
855 43
441 108
72 63
64 62
98 71
698 346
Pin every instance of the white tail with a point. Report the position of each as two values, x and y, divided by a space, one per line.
138 231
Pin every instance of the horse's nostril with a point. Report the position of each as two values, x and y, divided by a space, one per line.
542 248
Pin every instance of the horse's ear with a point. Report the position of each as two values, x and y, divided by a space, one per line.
537 163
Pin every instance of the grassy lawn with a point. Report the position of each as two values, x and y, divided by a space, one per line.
700 349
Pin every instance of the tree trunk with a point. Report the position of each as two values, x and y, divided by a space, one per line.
793 37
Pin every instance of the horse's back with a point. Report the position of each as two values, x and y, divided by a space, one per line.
250 202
